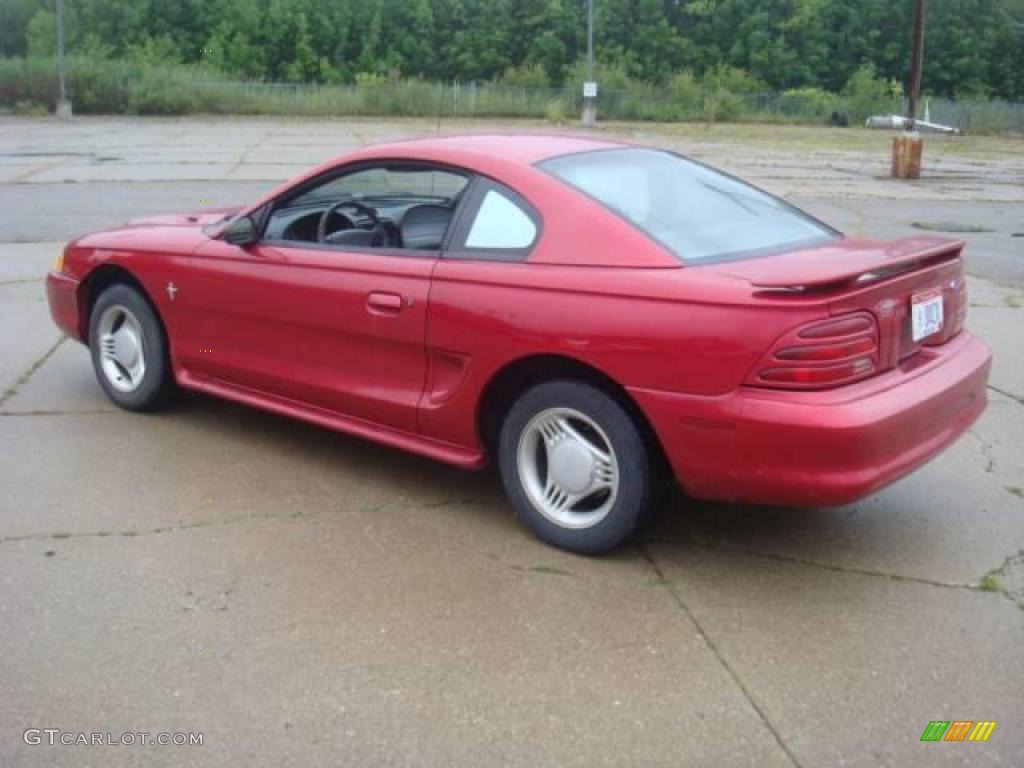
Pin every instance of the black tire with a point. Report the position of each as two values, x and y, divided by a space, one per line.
156 383
632 454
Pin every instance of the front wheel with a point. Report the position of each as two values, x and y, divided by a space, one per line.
129 352
575 466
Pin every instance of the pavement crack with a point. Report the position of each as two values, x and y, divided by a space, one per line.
1016 398
162 529
12 390
713 647
21 281
451 503
837 568
985 448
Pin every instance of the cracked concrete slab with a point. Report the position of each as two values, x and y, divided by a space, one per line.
867 661
997 314
28 332
428 652
64 383
198 461
27 262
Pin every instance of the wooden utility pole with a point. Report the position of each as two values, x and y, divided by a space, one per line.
908 146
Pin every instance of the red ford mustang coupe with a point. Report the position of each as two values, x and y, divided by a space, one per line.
586 314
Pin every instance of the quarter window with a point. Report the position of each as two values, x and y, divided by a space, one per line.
500 224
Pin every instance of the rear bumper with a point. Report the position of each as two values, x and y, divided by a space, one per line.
822 448
62 296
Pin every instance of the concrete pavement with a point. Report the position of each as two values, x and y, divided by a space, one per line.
303 598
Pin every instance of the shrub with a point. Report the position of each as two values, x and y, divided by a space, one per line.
555 111
724 78
526 76
722 106
687 94
866 94
610 77
370 79
807 103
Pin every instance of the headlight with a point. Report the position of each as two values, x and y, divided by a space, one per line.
58 264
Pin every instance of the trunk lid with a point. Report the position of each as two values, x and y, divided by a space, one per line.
883 278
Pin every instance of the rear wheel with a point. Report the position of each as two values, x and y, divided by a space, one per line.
129 352
575 466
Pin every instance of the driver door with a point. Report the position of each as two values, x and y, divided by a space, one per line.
335 328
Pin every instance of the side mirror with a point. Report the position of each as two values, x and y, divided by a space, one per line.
241 231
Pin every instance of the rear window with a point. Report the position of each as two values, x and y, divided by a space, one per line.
695 212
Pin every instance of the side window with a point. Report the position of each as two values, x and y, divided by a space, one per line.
498 224
395 206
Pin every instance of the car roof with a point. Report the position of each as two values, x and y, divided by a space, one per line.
517 148
510 159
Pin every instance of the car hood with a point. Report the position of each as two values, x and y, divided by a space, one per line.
172 232
188 219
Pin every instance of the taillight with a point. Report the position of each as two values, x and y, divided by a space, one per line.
822 354
958 289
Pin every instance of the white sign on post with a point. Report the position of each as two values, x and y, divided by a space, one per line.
590 90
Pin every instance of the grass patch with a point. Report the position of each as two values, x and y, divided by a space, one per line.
1016 490
990 582
549 570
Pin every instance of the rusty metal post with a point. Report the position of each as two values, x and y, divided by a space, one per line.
908 146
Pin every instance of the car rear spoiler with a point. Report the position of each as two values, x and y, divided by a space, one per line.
855 265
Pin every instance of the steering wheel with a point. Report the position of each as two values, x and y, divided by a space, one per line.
321 230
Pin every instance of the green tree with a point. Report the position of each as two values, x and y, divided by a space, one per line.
41 34
973 47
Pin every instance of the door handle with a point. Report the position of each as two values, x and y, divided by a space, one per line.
382 302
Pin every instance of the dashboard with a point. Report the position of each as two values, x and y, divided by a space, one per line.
424 229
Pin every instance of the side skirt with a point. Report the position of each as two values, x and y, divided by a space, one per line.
406 441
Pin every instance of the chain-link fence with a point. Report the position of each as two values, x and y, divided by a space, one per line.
641 102
107 87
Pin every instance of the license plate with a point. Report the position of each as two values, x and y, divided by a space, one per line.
926 314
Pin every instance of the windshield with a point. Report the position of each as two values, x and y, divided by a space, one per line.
384 183
695 212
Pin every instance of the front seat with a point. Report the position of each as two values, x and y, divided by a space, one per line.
359 238
423 227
